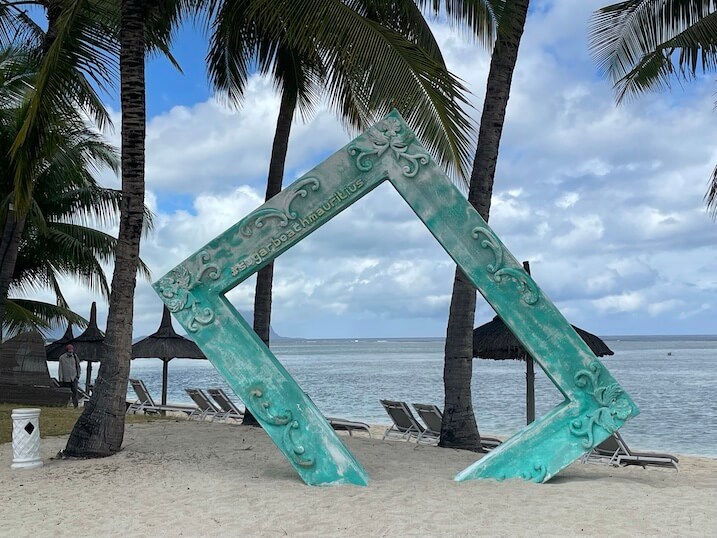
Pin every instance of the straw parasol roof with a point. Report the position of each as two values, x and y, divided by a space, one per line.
57 348
493 340
89 346
166 344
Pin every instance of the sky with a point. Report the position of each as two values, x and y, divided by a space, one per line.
605 201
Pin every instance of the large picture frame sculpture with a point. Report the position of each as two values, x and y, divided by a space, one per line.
194 291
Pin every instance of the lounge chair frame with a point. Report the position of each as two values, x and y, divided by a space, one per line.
348 426
145 402
227 406
404 425
205 407
615 451
432 416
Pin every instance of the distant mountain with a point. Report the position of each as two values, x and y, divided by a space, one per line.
249 317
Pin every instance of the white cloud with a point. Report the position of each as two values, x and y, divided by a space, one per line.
625 302
569 199
605 201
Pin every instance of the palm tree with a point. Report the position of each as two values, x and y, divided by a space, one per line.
308 63
643 45
100 429
78 54
55 239
59 238
90 437
459 428
58 93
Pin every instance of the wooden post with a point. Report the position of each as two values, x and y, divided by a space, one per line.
529 377
165 368
529 389
88 377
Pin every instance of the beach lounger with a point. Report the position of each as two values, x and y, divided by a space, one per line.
205 407
405 426
350 426
226 404
432 417
343 425
614 451
145 402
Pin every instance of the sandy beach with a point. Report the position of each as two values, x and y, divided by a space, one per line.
181 478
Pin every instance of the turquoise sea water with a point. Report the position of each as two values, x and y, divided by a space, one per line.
672 379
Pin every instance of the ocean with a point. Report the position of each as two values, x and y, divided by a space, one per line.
671 378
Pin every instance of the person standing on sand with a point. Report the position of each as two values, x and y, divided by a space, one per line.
69 372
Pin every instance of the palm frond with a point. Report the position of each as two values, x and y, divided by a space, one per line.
404 17
162 20
233 46
679 58
375 69
480 16
82 48
711 196
27 315
16 27
634 42
18 67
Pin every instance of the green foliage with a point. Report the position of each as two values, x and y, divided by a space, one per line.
66 198
364 57
76 57
644 45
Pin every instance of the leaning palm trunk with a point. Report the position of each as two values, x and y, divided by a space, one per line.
100 429
9 247
459 428
265 277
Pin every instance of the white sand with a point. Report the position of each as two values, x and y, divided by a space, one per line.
179 478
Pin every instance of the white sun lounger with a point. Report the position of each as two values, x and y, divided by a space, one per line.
145 402
228 408
614 451
205 407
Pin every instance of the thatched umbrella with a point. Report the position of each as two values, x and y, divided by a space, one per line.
166 344
494 340
89 346
58 347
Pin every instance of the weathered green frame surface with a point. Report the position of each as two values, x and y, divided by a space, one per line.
594 405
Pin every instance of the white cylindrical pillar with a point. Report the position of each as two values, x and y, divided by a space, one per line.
26 438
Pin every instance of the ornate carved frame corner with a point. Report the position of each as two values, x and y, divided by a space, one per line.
194 291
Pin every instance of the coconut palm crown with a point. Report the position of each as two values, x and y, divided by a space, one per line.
57 238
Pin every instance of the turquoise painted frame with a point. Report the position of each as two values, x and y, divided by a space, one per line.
194 291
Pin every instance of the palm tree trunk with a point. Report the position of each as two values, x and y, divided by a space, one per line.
265 277
459 428
53 9
100 429
9 246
